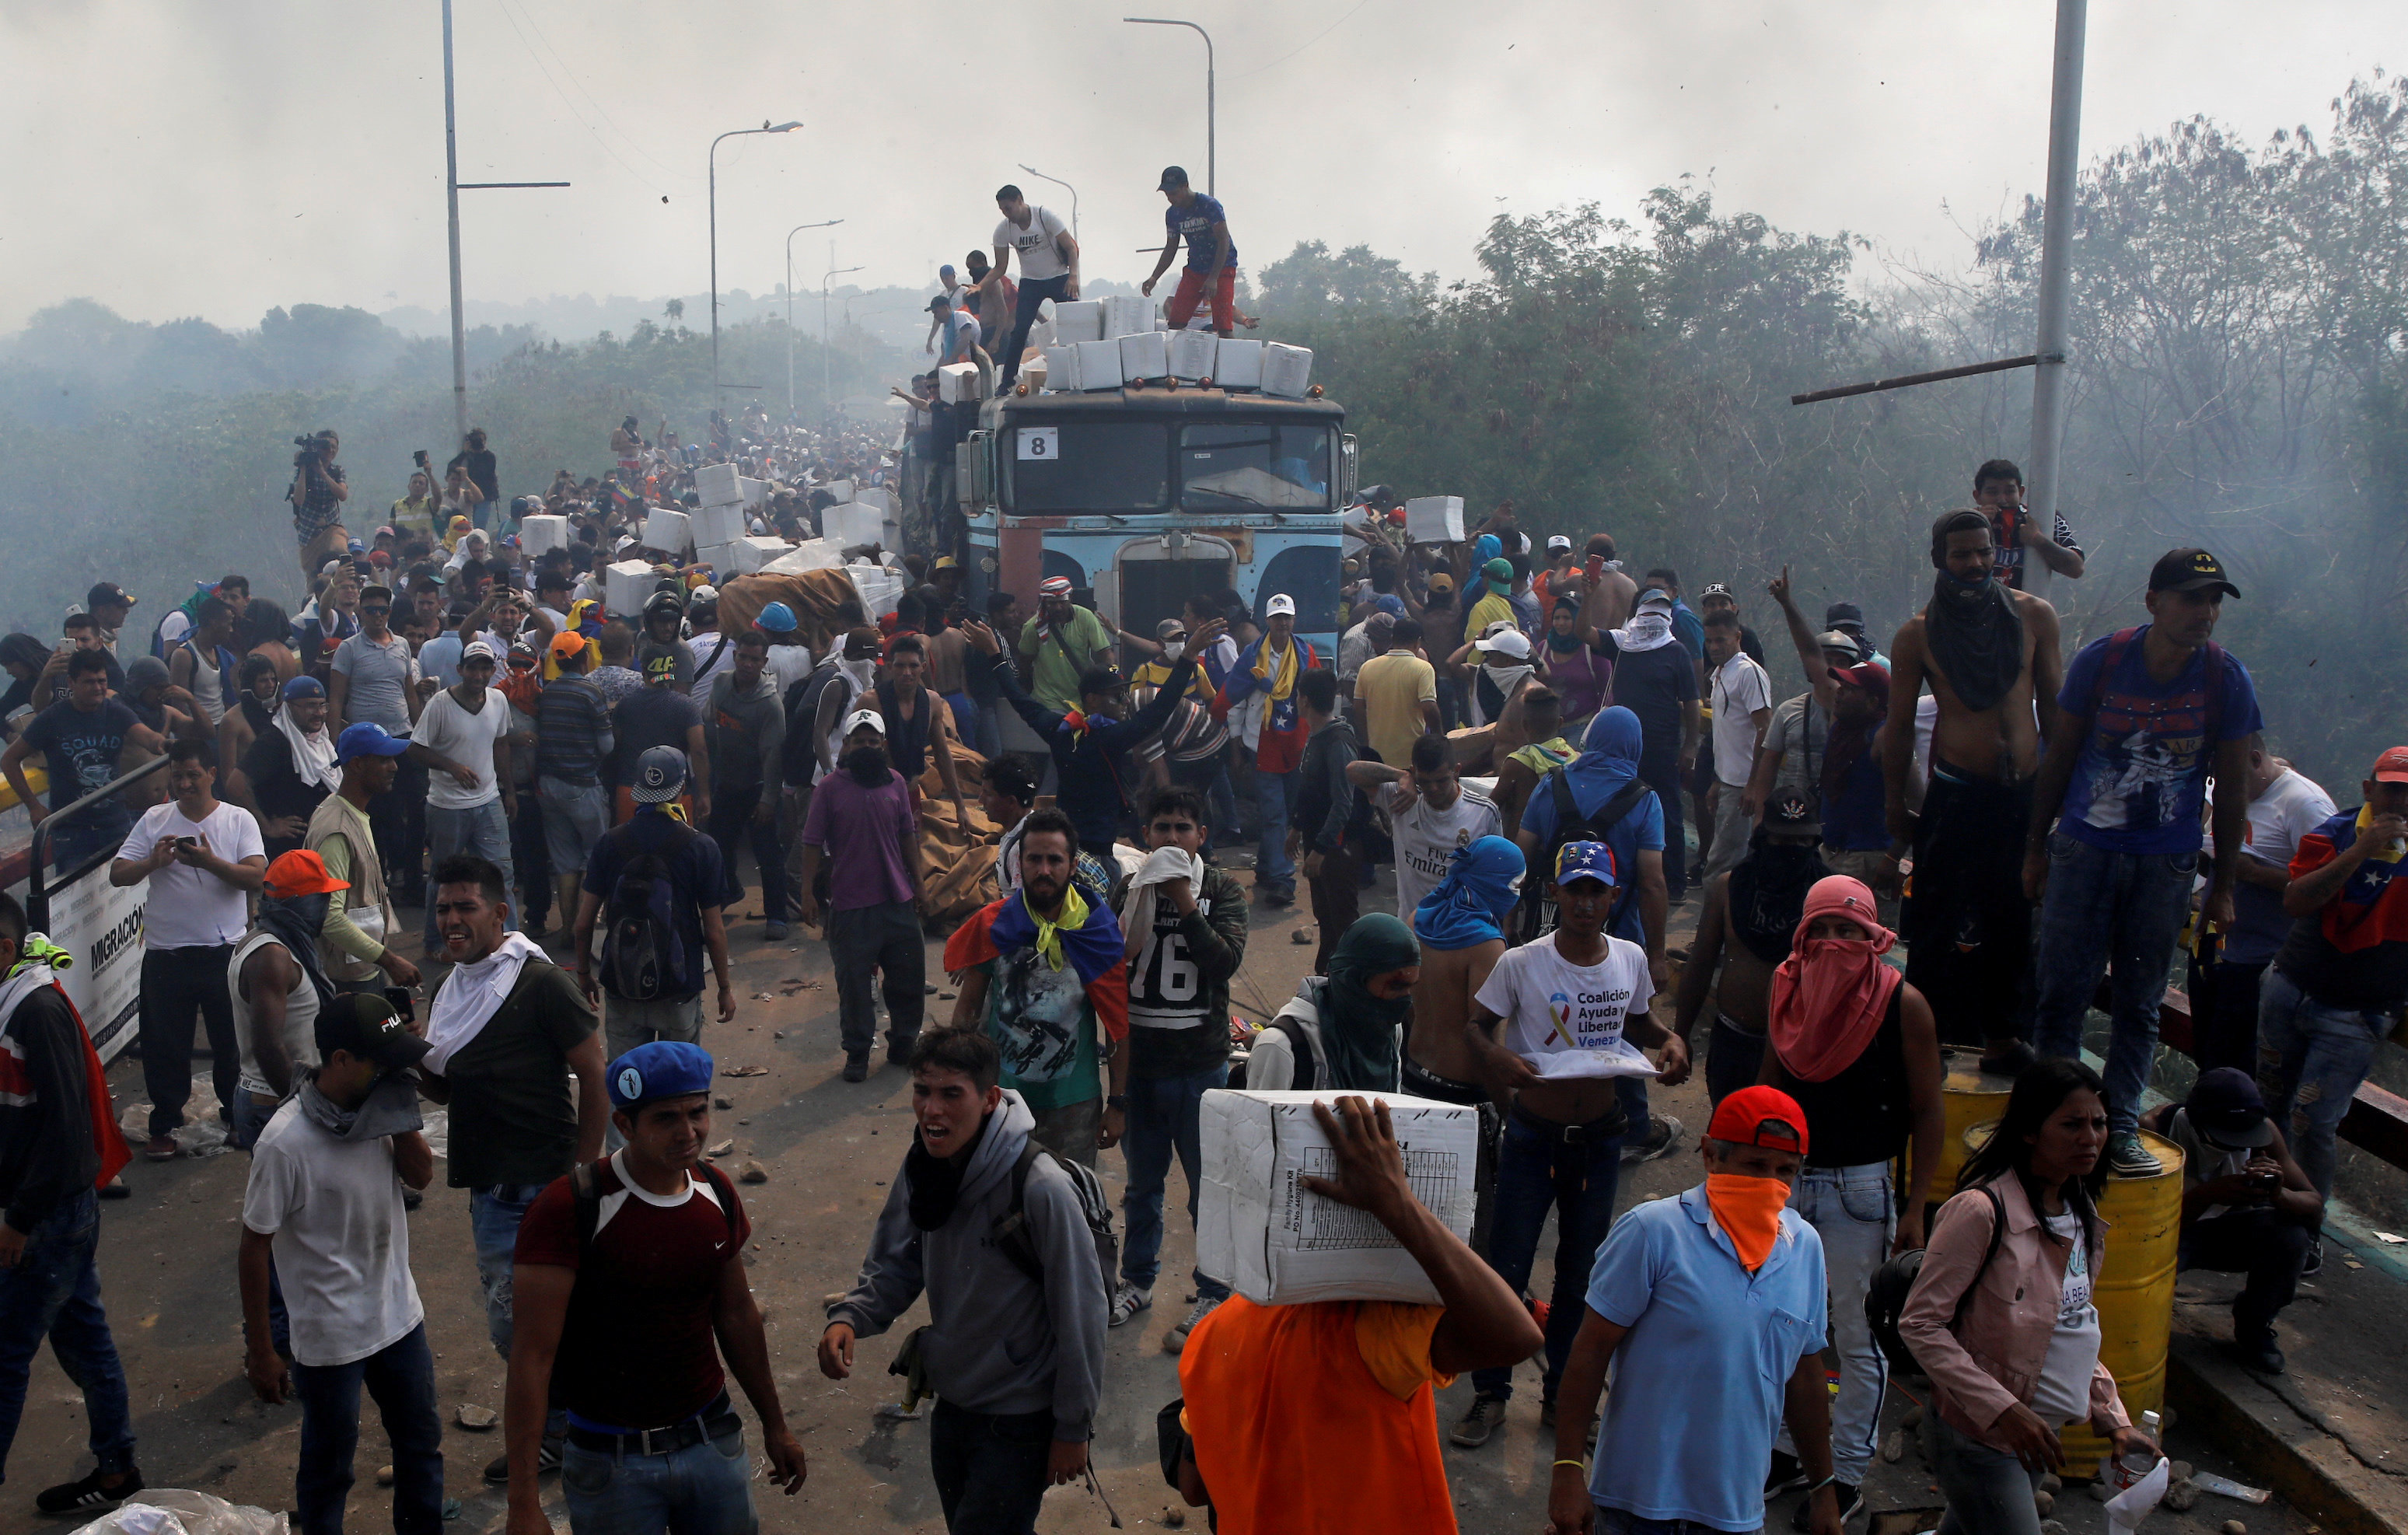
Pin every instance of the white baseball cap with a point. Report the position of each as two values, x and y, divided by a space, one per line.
476 650
1559 545
1283 603
1513 642
860 717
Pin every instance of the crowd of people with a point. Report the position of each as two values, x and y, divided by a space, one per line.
1554 754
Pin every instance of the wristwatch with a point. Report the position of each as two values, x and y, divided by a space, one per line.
1117 1100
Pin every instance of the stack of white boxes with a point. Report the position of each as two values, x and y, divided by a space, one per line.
721 521
748 555
718 484
1127 314
1078 320
881 589
668 531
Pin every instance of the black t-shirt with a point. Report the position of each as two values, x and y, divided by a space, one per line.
80 749
1656 685
646 718
277 789
513 1115
482 470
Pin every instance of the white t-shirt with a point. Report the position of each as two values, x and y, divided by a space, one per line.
1740 688
789 664
2063 1394
2292 806
707 666
451 731
342 1240
1565 1019
190 907
1040 257
1427 838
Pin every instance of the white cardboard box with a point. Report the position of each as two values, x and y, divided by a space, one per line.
1192 353
1287 369
1061 367
811 555
717 484
1078 320
1435 519
750 553
872 495
1100 364
957 383
1145 355
1276 1243
1237 363
1127 314
757 492
542 533
840 489
720 557
666 530
626 585
853 525
716 525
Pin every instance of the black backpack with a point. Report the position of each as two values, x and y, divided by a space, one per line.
587 1194
1886 1295
798 757
642 951
1012 1232
1573 826
1299 1044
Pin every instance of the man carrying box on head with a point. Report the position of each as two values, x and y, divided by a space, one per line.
1274 1395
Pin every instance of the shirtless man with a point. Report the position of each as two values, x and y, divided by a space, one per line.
1990 656
1781 865
1610 598
1518 771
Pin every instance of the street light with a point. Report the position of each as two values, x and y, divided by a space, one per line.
1067 187
712 161
790 307
834 272
1208 151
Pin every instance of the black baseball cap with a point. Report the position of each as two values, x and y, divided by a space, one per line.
2226 1107
1173 176
2190 570
364 1024
1839 615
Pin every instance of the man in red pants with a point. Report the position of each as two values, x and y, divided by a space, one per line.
1211 256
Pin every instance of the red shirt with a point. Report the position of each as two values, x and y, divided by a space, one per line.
637 1351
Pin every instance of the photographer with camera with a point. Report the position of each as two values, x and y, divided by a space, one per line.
318 494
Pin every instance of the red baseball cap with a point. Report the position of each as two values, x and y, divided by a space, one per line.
1760 1116
2392 765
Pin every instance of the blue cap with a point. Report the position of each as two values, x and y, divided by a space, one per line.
368 739
660 774
1585 861
304 687
777 618
358 547
944 271
658 1069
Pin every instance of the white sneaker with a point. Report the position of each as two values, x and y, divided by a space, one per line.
1129 1300
1178 1336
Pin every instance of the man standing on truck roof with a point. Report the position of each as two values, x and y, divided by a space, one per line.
1049 267
1212 255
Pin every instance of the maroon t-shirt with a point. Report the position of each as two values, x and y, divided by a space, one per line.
637 1351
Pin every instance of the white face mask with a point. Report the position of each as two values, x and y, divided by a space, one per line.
858 670
1174 650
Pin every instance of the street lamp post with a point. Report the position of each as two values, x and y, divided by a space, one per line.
712 159
790 307
1067 187
1210 177
834 272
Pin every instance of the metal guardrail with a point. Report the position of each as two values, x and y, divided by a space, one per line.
2377 1120
41 882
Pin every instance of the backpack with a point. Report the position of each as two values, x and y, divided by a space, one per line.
2121 641
1886 1295
1299 1044
642 951
798 757
587 1192
1573 827
1012 1234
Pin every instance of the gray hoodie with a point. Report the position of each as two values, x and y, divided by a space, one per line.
744 732
997 1340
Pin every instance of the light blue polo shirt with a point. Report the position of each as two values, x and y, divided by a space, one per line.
1696 1395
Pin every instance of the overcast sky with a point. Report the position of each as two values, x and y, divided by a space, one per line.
176 157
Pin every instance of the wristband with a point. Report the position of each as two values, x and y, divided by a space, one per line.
1577 1465
1818 1486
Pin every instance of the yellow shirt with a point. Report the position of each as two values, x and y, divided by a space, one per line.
1491 609
1393 688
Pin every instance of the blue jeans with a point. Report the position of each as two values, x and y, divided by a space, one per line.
54 1292
1849 1208
1615 1521
484 831
1535 1174
1988 1491
1162 1117
1273 794
702 1489
494 1216
401 1378
966 721
989 1468
2104 911
2311 1059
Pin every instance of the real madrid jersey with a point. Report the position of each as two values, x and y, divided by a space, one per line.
1426 840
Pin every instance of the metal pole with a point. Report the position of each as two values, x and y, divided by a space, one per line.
712 162
2056 246
1065 186
790 307
1212 152
451 198
833 273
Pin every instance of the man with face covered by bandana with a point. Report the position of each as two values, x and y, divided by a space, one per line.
279 987
1744 930
1989 655
862 822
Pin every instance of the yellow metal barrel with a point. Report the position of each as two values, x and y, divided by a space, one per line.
1969 1100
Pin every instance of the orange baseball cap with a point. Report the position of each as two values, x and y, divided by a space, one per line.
567 642
2392 765
301 872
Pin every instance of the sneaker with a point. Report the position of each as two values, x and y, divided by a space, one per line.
1129 1299
1178 1337
2315 1259
1787 1475
1480 1420
547 1460
160 1148
1851 1502
2257 1351
2128 1158
1663 1135
95 1494
1276 894
774 932
856 1065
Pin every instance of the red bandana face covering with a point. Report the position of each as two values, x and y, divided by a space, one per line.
1749 1212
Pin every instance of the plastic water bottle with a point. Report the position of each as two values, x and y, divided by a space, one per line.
2133 1465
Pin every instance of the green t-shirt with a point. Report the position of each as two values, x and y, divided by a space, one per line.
1054 678
513 1118
1042 1021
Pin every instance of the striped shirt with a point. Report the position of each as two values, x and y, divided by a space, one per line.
572 726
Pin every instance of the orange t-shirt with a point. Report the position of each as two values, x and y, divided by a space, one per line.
1277 1395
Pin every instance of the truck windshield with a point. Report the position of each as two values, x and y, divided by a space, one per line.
1242 464
1088 467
